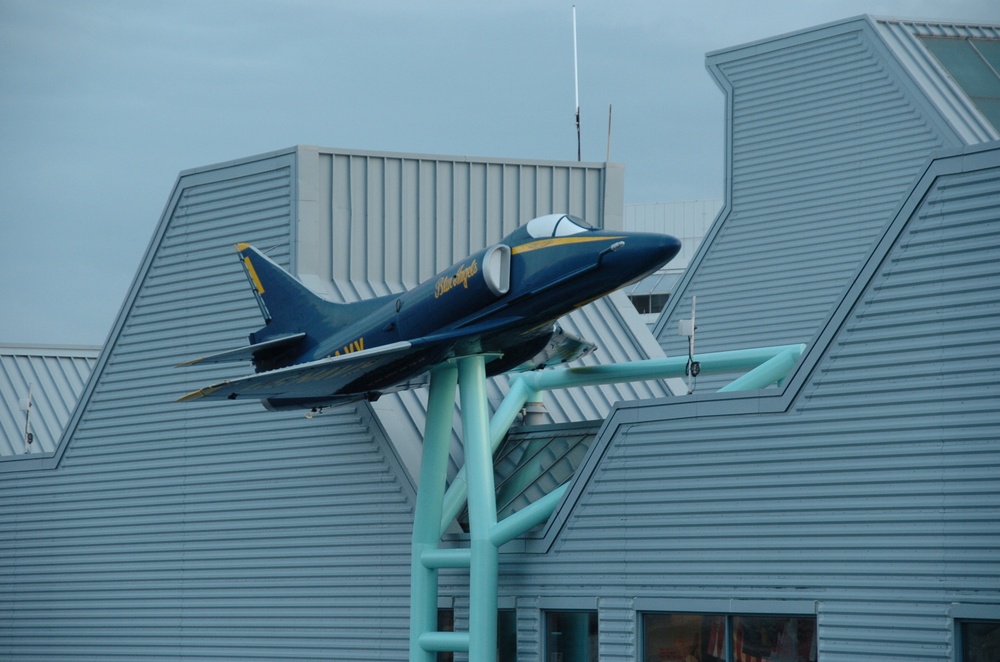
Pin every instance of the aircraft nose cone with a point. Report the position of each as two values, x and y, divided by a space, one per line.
668 247
658 249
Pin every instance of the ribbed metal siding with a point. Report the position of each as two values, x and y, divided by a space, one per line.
903 37
617 630
876 493
825 138
392 221
197 531
56 377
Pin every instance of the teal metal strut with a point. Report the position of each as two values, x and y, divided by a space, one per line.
436 508
427 513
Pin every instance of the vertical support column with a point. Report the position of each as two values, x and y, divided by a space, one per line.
482 509
506 413
427 514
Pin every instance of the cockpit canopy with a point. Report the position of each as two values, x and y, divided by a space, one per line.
556 225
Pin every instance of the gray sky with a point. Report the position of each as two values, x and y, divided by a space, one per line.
103 103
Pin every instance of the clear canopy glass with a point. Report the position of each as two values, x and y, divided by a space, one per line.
556 225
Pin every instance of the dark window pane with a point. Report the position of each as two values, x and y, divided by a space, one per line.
657 302
775 638
641 303
980 641
571 636
446 623
683 638
506 635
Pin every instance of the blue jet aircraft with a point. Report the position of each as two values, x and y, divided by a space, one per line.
502 302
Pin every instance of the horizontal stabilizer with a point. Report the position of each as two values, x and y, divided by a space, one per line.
246 353
314 379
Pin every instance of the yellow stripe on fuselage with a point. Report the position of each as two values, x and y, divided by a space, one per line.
556 241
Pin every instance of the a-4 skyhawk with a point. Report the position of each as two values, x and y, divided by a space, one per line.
502 301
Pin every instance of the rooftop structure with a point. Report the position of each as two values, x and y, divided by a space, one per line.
849 512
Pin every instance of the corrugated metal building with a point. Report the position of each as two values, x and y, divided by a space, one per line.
853 513
54 377
826 131
159 529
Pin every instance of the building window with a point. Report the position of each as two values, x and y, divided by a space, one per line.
446 623
720 638
571 636
506 635
979 641
649 304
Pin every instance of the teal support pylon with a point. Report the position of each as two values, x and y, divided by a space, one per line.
427 513
436 508
527 386
482 509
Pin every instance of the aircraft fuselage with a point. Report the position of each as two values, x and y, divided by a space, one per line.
501 301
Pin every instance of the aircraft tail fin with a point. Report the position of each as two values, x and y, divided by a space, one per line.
288 306
281 297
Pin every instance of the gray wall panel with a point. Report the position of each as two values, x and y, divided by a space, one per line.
826 135
187 531
162 530
870 488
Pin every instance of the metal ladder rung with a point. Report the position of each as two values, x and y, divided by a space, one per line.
444 642
446 558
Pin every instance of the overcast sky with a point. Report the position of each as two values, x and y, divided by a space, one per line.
103 103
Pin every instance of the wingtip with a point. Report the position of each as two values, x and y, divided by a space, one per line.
242 246
201 393
193 395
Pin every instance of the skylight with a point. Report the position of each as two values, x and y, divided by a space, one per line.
974 64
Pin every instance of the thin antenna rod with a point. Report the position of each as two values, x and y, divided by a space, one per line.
28 437
576 82
607 156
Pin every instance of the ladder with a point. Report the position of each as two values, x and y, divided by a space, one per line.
436 508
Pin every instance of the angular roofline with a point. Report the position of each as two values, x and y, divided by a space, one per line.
320 149
28 349
189 177
921 70
291 157
921 26
703 405
777 42
901 37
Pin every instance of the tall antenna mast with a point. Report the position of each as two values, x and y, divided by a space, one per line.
607 155
576 81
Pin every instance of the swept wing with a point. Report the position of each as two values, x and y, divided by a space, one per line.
314 379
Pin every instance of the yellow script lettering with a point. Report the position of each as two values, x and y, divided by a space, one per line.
447 283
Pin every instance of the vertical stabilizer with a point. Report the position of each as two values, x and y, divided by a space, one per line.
286 304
